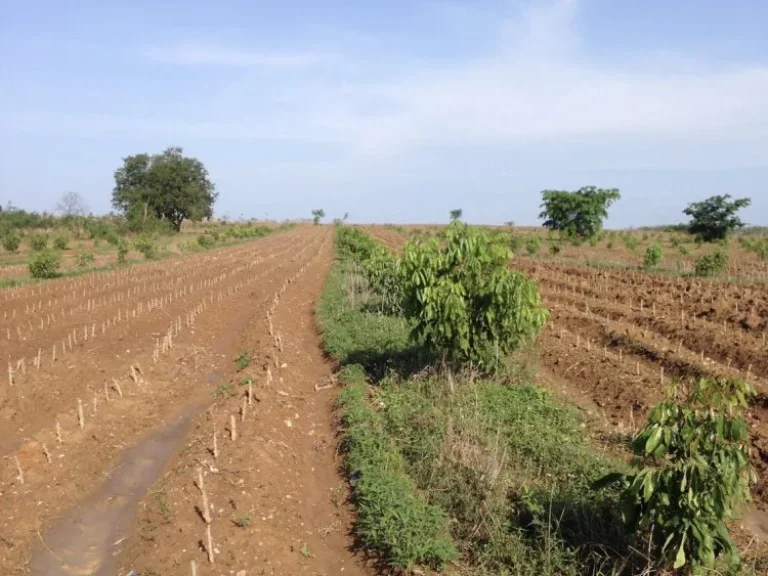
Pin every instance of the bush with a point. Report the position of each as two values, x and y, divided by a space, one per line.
61 243
122 252
554 248
84 260
44 264
38 242
697 471
145 245
630 242
532 245
206 241
712 264
11 241
683 249
466 304
652 256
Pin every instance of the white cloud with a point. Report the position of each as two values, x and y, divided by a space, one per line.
193 54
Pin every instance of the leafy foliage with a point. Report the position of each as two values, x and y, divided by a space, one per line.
145 245
711 264
466 304
11 241
44 264
38 242
456 214
652 256
580 213
61 243
318 215
715 218
169 186
532 245
122 252
697 470
206 241
84 260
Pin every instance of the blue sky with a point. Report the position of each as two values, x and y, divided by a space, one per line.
393 111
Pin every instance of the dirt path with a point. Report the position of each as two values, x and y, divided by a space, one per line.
276 499
74 503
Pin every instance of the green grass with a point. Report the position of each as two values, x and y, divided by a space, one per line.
493 476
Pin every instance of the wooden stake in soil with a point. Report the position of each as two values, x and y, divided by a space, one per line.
209 544
243 409
80 417
58 433
116 385
215 444
206 509
250 392
232 428
20 476
193 566
46 453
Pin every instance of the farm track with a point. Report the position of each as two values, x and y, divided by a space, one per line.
616 339
192 317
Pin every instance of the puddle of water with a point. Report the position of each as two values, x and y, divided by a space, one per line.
83 542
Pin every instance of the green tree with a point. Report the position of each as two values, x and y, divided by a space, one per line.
169 186
456 214
580 213
715 218
465 302
653 255
317 215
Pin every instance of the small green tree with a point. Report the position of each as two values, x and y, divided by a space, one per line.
11 241
532 245
317 215
61 243
465 302
580 213
145 245
456 214
38 242
122 251
694 453
711 264
652 256
44 264
206 241
715 218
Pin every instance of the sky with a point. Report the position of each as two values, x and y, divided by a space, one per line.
392 111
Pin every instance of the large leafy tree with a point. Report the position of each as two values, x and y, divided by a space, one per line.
580 213
170 186
714 218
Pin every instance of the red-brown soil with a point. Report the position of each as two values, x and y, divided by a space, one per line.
211 305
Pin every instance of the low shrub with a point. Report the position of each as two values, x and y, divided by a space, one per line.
38 242
84 260
61 243
206 241
145 245
122 252
44 264
11 241
711 264
652 256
